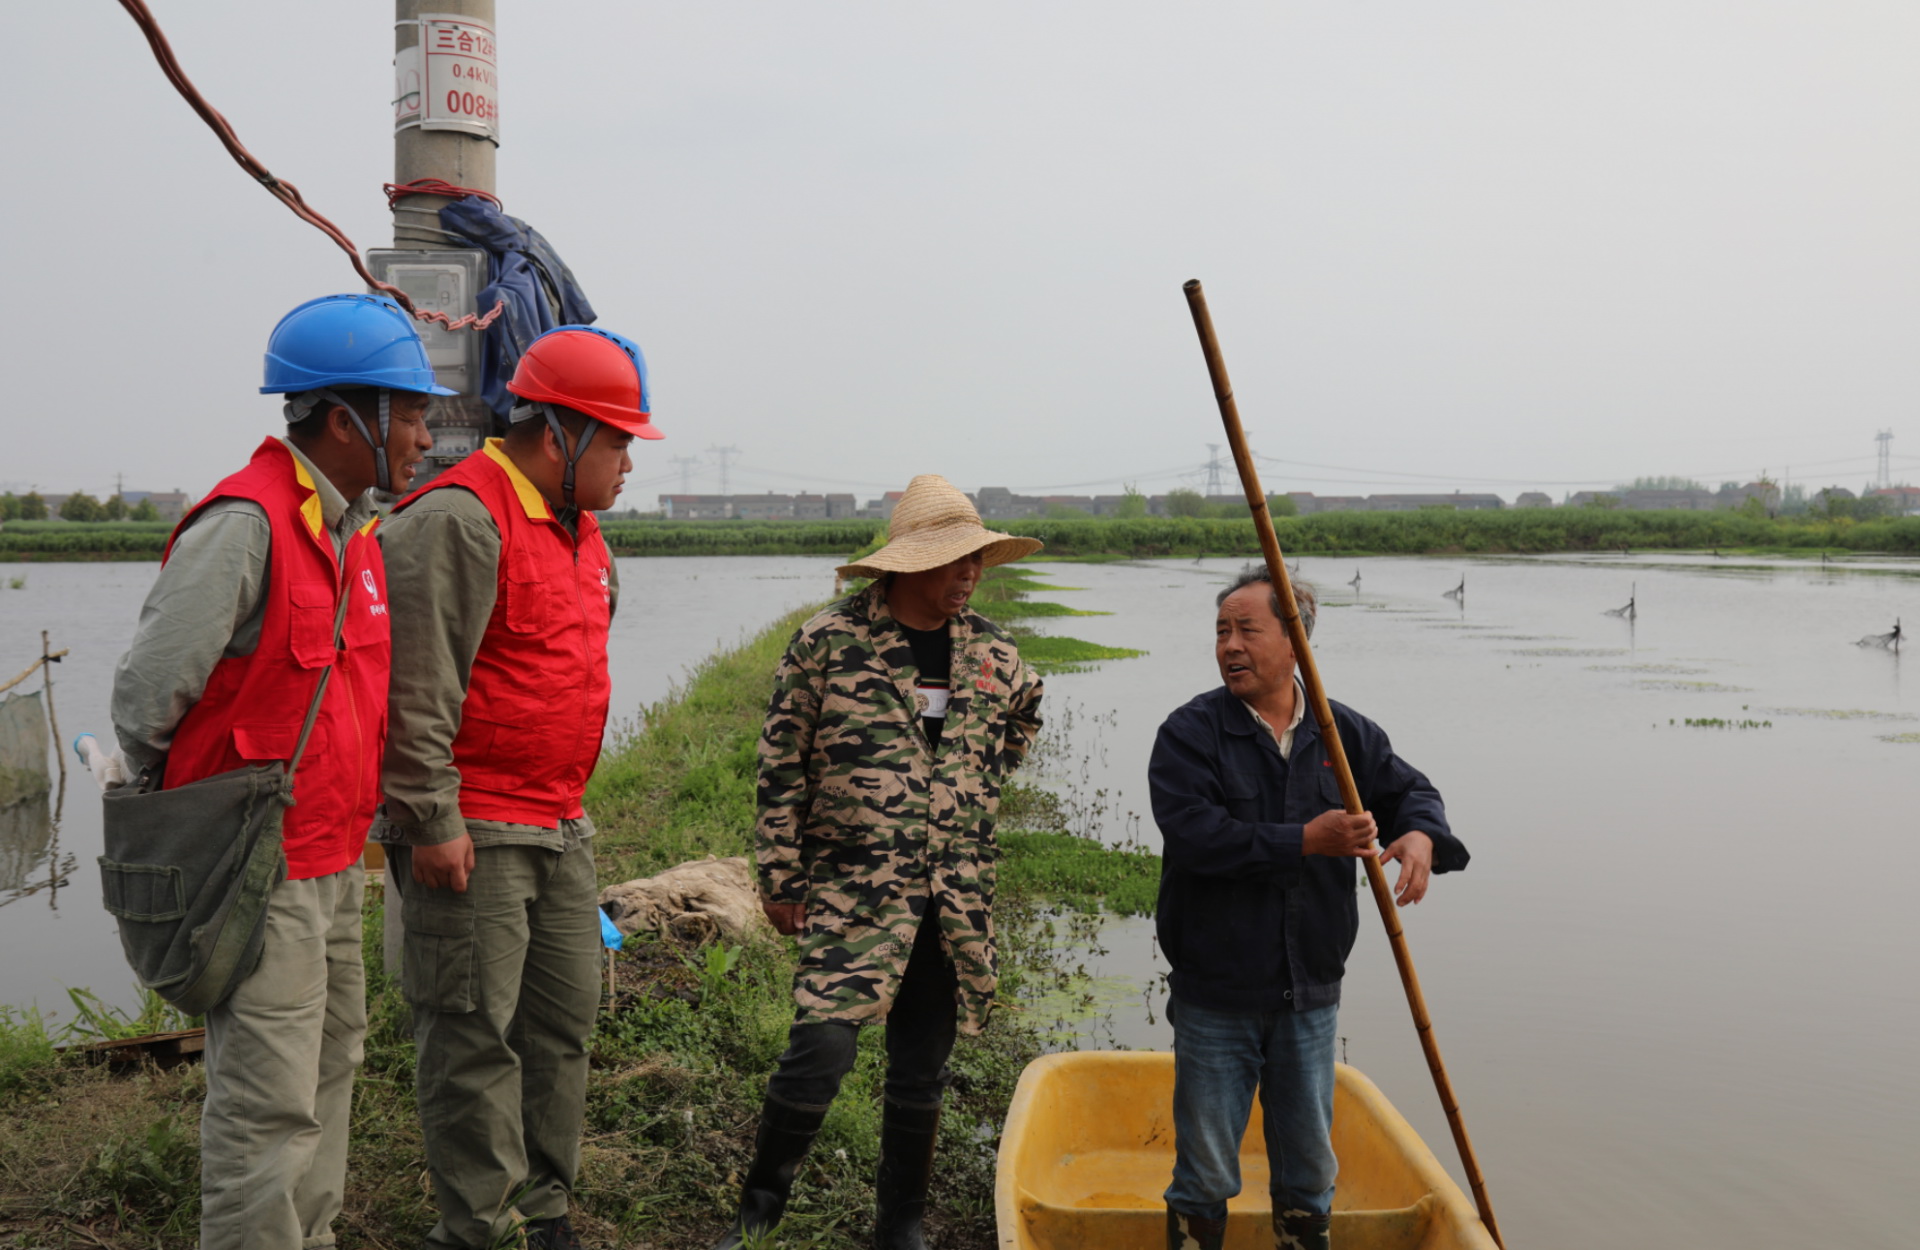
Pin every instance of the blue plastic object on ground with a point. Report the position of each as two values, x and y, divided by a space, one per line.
348 340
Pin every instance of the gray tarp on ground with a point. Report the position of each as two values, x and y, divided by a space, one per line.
695 901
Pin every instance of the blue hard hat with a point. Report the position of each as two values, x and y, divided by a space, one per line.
348 340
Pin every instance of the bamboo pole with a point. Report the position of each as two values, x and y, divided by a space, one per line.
32 668
47 660
1330 733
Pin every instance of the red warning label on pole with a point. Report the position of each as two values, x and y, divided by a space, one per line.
450 79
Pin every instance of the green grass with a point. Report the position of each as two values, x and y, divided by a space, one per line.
27 1054
1430 531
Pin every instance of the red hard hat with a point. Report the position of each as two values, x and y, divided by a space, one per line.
590 371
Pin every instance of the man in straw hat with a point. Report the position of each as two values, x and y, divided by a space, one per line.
895 715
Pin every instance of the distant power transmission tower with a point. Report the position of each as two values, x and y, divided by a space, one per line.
1884 438
686 464
1213 468
725 456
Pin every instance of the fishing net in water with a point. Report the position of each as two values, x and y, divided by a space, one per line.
1886 642
24 760
26 826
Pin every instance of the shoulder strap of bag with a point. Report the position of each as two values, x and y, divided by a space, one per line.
319 691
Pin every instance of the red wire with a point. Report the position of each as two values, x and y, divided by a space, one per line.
285 192
433 186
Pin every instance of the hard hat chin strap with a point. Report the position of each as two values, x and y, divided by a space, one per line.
572 454
379 448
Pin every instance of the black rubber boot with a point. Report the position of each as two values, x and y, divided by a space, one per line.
1194 1232
554 1234
1301 1230
786 1133
907 1136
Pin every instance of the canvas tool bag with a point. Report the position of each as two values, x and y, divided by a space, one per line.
188 872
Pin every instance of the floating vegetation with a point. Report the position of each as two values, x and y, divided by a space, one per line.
1839 713
1019 608
1693 687
1069 655
1646 668
1459 625
1905 737
1570 653
1525 637
1080 873
1717 722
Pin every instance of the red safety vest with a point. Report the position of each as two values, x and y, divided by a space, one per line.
537 699
253 706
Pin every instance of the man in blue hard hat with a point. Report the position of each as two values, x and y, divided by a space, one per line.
273 579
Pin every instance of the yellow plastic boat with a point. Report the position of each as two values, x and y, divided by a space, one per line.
1088 1151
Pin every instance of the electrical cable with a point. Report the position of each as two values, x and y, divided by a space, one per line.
396 191
283 191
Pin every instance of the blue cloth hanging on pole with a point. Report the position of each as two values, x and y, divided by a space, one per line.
525 274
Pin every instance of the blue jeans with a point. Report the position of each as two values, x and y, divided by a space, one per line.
1220 1059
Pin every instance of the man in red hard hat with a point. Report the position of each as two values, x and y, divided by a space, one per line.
503 593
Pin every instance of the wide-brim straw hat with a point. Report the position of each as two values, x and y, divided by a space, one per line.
934 524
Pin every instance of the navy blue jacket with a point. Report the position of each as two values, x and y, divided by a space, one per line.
539 291
1246 920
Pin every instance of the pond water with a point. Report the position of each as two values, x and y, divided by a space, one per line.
673 614
1677 989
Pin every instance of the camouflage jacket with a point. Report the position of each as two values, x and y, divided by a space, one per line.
869 825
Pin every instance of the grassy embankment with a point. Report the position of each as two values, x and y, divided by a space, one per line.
88 1158
1431 531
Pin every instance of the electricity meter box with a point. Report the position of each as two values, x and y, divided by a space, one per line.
445 282
448 282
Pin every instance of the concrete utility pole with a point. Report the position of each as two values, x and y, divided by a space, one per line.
1885 439
456 156
446 127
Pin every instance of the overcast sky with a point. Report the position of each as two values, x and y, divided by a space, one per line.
1475 245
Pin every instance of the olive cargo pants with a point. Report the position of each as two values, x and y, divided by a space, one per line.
281 1052
504 981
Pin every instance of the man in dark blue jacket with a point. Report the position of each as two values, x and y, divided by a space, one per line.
1257 913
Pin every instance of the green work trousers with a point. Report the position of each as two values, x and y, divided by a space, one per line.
281 1051
505 983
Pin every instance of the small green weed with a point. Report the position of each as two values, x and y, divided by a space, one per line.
150 1179
27 1051
97 1021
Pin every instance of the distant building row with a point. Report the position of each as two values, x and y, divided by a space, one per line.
997 503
